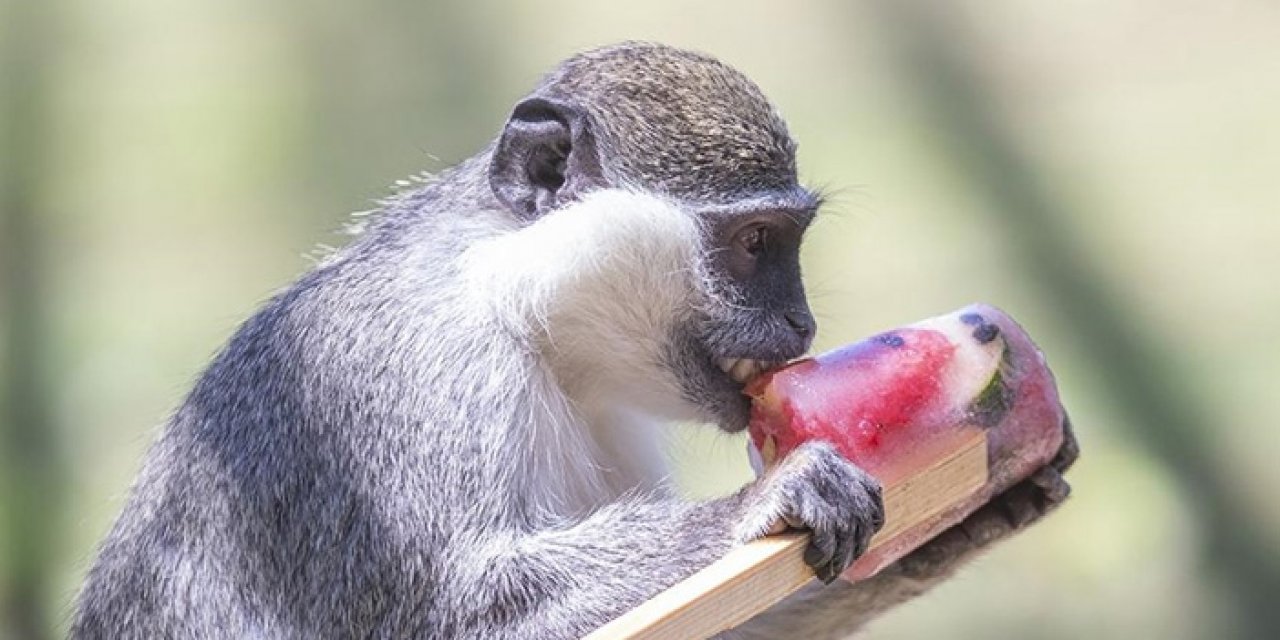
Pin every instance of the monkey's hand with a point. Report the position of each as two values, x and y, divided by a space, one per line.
838 610
1014 510
817 489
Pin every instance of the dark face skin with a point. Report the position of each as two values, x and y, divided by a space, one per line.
764 315
689 128
755 252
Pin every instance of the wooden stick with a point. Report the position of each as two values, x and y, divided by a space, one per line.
755 576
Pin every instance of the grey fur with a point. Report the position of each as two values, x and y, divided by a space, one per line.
355 462
677 119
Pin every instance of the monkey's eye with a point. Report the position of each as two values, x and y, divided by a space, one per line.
753 240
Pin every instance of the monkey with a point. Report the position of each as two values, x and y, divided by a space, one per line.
452 426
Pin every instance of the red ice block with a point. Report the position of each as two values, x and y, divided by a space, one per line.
898 402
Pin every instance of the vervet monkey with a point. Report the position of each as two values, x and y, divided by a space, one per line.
451 428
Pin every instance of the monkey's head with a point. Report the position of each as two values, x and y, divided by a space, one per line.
698 136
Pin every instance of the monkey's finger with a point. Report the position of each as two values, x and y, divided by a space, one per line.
937 556
1052 485
779 526
868 529
794 522
1019 504
858 546
952 543
987 524
819 554
849 546
1070 449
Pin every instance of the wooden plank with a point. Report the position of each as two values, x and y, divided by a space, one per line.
753 577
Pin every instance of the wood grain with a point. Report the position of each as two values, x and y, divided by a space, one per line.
753 577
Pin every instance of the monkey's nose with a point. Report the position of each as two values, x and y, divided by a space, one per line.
801 322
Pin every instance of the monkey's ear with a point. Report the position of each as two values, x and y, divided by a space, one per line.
545 157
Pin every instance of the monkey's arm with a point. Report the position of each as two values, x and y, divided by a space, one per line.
584 575
842 608
565 582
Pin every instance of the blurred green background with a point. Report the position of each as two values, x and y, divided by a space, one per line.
1105 171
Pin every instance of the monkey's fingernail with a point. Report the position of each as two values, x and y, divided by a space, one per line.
1049 481
828 574
813 555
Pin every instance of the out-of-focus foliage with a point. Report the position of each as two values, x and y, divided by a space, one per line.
1103 171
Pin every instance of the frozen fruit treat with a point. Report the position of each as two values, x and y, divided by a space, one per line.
898 402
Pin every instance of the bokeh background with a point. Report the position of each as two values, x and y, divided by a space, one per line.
1105 171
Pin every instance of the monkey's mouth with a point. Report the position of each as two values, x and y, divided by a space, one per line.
744 370
729 378
714 373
